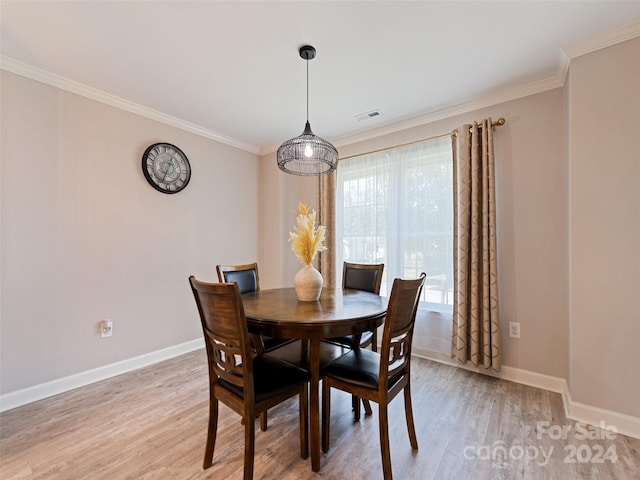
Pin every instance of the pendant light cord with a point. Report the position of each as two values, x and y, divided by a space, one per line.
307 91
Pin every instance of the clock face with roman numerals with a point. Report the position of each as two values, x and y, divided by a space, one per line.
166 167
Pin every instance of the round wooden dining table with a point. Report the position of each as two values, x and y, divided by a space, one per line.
278 313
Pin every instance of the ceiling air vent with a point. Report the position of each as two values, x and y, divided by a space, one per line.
368 115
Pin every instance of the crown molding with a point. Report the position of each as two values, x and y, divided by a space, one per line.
466 107
571 51
563 67
422 119
576 49
461 108
77 88
603 40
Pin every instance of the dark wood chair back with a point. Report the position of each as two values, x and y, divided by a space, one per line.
225 333
362 276
379 377
248 280
247 382
395 351
366 277
245 275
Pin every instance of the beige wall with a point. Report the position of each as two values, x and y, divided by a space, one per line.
279 197
604 102
84 237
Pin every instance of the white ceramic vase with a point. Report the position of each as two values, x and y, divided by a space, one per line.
308 282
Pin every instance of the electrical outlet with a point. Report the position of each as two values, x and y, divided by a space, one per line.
514 329
106 328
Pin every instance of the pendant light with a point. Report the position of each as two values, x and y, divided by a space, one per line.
307 154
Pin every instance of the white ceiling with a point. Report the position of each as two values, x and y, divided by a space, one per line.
231 70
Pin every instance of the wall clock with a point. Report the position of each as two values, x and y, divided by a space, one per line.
166 167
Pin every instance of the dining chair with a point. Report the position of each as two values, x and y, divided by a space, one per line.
366 277
379 377
247 382
248 279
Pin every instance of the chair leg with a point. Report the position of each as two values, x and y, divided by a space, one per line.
211 433
356 408
249 445
263 421
384 441
304 421
374 347
408 412
326 414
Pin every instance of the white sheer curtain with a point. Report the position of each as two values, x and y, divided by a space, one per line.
396 207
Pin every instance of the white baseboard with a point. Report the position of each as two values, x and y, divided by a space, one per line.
580 412
54 387
601 417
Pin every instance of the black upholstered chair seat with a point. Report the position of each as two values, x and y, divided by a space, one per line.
271 376
379 377
360 367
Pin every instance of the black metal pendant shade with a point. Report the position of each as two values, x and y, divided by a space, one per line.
307 154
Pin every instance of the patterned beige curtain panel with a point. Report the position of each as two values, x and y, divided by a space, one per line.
326 202
476 326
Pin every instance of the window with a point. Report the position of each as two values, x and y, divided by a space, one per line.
396 208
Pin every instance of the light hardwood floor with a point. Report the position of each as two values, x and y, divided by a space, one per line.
151 424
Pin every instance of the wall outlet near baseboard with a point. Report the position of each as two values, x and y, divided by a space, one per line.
514 329
106 328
